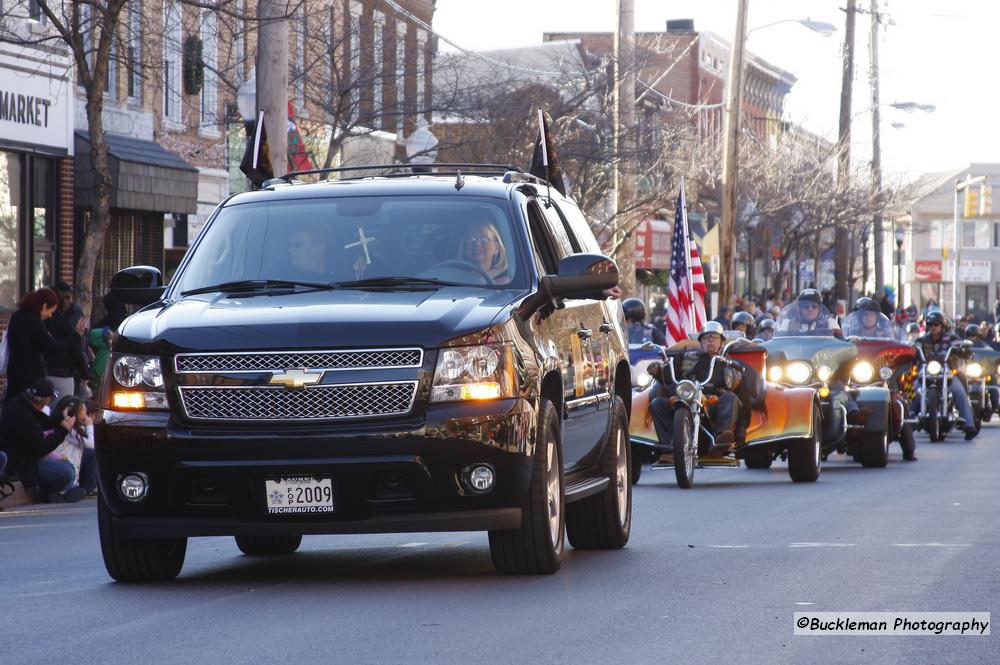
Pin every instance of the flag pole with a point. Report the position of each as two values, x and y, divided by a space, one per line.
687 257
545 151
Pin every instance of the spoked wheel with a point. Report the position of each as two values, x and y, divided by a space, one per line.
685 448
804 456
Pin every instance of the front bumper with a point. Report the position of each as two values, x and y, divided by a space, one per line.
386 477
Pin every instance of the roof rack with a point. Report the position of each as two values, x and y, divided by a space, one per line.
509 172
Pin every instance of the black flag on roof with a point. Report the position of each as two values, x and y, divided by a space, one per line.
544 161
256 162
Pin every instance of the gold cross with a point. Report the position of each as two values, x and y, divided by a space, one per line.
363 242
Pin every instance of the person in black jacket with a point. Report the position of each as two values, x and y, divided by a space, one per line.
28 435
67 365
28 341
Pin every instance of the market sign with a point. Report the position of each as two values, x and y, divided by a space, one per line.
652 245
36 99
928 271
975 271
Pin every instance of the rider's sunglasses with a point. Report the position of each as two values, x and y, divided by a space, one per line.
810 305
931 325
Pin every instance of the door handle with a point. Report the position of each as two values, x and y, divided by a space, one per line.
584 333
606 328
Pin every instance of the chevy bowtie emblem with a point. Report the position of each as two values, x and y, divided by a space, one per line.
296 378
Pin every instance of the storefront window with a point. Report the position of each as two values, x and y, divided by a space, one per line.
10 196
43 222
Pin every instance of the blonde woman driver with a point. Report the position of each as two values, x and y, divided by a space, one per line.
482 247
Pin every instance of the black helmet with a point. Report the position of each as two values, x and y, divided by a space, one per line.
810 295
972 330
745 319
868 304
634 310
765 324
936 317
912 328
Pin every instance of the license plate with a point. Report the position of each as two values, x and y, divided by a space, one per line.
299 494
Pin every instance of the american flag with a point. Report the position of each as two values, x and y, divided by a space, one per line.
686 298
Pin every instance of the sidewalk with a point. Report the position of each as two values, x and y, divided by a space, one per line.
18 503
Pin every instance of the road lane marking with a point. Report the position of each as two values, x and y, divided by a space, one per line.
822 545
413 544
730 546
805 603
932 545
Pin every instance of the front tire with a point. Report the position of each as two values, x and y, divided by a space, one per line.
933 418
603 521
537 547
268 545
138 559
804 456
874 450
636 465
685 448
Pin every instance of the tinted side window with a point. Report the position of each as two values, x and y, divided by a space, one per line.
573 241
580 228
554 224
541 240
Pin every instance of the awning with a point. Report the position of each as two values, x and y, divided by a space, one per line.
145 176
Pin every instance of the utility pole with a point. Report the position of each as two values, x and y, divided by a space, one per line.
843 236
730 159
877 159
624 142
272 79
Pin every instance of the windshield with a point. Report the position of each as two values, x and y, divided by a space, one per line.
806 318
868 323
466 240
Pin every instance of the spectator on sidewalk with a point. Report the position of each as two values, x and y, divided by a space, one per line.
68 365
78 446
28 341
28 435
101 336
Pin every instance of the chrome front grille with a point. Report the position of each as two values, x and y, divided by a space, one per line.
263 361
329 402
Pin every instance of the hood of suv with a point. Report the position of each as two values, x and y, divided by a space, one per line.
330 319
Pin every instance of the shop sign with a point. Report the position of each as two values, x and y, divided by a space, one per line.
652 245
36 98
928 271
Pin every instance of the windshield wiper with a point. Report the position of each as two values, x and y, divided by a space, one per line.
397 281
257 285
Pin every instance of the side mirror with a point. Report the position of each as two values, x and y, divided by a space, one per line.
138 285
582 276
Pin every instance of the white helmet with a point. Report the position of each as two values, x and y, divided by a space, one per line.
712 328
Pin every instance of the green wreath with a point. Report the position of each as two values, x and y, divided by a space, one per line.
194 66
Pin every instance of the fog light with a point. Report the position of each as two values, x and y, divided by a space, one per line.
478 478
133 486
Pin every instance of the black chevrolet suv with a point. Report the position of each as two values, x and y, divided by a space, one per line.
432 352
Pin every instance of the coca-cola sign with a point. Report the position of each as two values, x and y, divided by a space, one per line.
928 271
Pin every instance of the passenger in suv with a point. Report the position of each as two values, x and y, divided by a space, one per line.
376 376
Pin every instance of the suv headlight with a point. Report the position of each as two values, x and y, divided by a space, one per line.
136 383
974 370
478 372
863 372
798 372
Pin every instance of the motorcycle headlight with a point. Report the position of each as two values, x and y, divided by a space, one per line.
823 373
798 372
863 372
478 372
686 390
974 370
643 379
775 373
934 367
885 373
137 383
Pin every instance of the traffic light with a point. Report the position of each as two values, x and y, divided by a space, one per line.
985 199
971 203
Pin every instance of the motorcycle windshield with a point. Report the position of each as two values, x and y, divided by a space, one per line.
810 319
817 351
867 324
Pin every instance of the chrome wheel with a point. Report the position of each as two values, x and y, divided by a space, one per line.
553 492
621 477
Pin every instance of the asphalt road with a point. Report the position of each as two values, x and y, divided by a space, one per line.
712 574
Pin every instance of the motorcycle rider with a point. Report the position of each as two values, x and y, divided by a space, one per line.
973 333
765 329
912 332
809 316
639 331
936 342
867 312
744 322
694 365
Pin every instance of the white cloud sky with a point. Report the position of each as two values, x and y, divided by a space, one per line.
938 53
